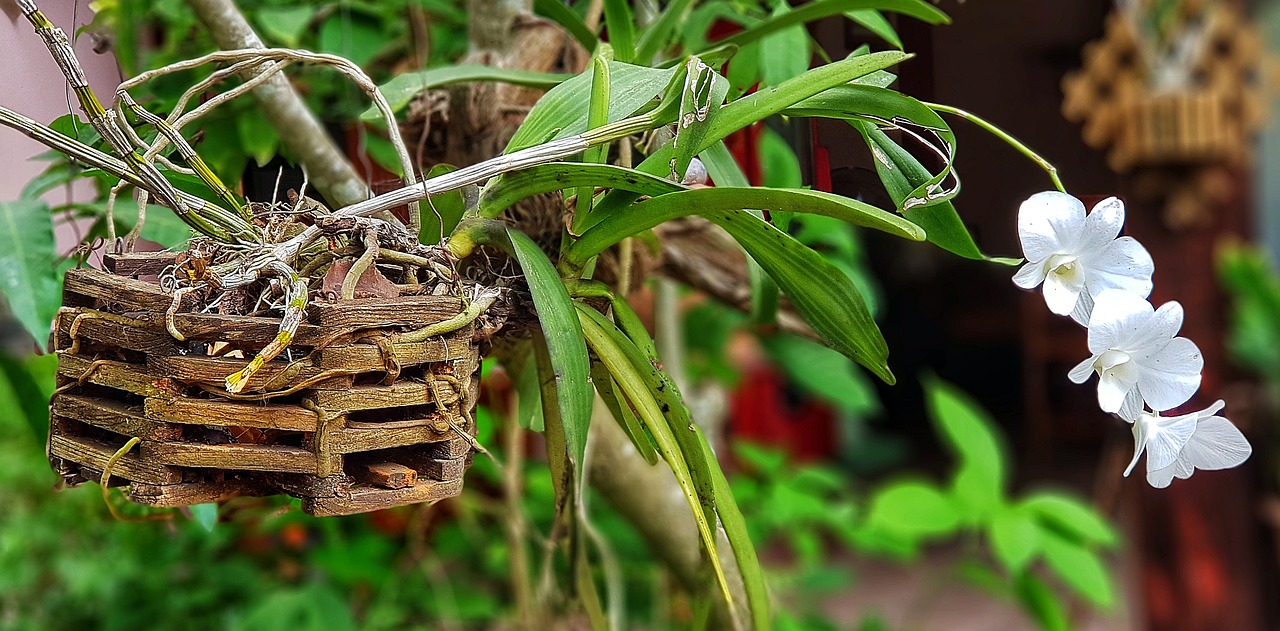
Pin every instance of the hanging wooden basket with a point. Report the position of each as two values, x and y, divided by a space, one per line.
350 420
1180 127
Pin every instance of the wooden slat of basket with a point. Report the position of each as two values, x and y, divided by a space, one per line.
113 416
368 357
365 499
350 440
299 485
137 264
446 469
416 311
118 375
214 370
398 394
231 456
95 454
120 290
189 493
111 333
231 414
220 328
458 447
388 475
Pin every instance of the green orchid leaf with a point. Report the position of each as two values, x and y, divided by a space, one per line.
401 89
912 510
785 53
565 347
440 214
822 294
597 115
504 191
704 201
658 34
28 276
285 24
874 21
621 29
901 174
812 11
563 110
1015 539
611 346
1041 602
622 412
558 12
700 101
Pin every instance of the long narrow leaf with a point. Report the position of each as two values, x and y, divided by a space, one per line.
622 30
622 412
812 11
662 31
401 89
822 294
565 345
510 188
564 16
901 173
641 397
744 551
874 21
704 201
704 92
562 111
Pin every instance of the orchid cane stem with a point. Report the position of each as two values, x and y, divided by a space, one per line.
1002 135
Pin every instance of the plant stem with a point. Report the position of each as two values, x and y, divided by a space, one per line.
1002 135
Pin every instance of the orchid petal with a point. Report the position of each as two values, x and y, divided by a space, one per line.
1060 296
1111 392
1049 222
1103 224
1121 264
1171 374
1117 316
1030 275
1082 370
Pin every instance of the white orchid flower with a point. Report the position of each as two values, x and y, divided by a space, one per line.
1178 445
1137 356
1078 257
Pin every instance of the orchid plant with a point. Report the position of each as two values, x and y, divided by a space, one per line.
1143 367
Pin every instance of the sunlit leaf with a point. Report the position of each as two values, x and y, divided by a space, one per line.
28 279
1070 518
1081 569
401 89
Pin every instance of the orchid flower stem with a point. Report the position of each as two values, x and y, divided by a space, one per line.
1002 135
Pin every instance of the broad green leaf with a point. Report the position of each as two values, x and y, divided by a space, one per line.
621 29
970 434
28 279
869 102
162 225
811 11
779 164
353 35
1081 569
820 292
205 514
22 393
1070 518
441 213
285 24
506 190
913 510
565 345
572 22
597 115
562 111
382 152
823 373
706 201
785 53
401 89
874 21
524 372
1015 539
1041 603
257 136
611 347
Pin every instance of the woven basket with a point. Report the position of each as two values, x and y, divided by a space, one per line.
350 420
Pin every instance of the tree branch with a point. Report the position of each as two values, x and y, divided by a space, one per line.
306 139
